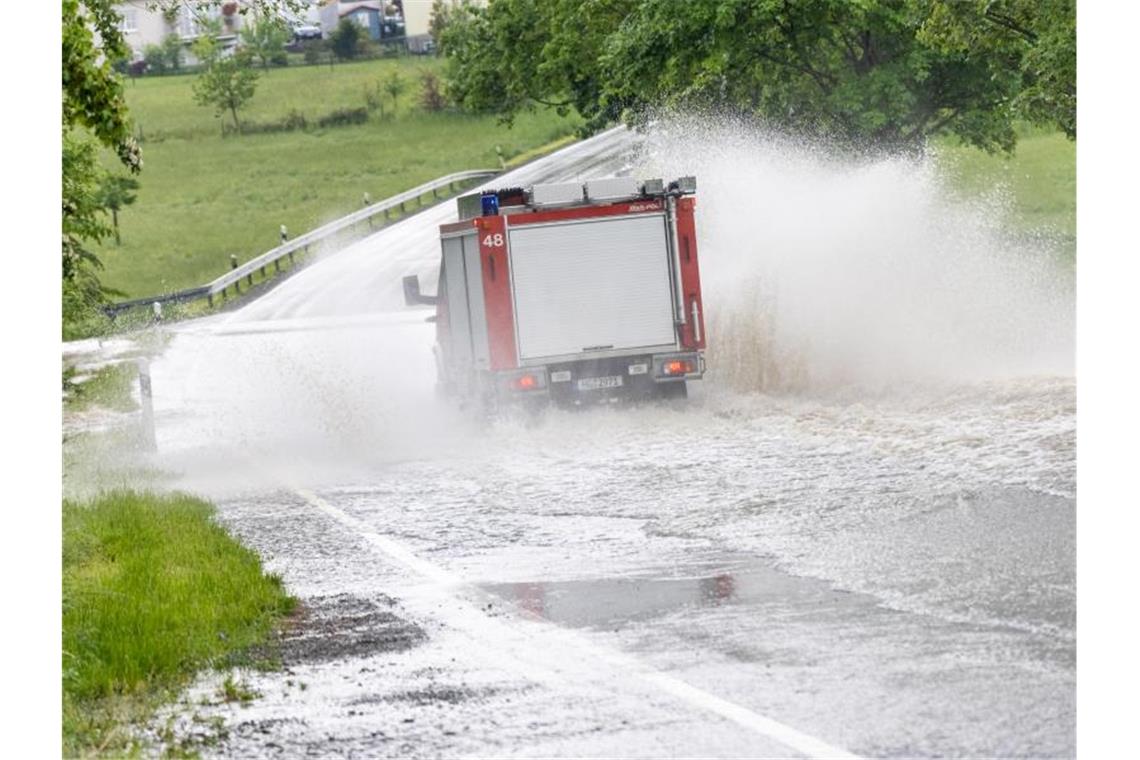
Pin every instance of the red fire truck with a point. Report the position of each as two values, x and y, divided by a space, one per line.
571 292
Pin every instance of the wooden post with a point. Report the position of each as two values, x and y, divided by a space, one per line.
277 264
210 300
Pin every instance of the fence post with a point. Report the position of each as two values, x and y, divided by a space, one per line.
148 438
210 300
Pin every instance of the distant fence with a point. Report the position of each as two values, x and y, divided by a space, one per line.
289 248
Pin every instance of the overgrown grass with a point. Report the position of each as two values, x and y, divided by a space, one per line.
1041 177
108 387
153 590
204 197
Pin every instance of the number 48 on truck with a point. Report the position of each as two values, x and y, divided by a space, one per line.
570 292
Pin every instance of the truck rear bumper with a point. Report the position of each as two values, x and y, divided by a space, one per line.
601 379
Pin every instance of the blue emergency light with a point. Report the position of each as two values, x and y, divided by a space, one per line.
490 204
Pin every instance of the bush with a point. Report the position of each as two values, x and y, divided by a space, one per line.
172 51
312 51
431 97
155 58
293 121
343 116
347 39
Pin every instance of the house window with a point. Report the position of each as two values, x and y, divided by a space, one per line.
129 21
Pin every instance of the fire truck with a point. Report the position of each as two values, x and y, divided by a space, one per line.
571 293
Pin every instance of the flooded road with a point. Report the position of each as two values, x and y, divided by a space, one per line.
882 568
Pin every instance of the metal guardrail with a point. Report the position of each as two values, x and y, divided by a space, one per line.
302 242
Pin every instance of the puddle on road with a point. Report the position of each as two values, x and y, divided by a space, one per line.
603 603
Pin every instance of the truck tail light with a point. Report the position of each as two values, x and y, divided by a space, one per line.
679 367
526 382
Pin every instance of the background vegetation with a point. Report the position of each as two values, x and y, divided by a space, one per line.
204 196
877 74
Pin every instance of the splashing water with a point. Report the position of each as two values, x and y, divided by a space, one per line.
821 270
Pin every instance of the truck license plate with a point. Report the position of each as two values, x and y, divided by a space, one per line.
594 383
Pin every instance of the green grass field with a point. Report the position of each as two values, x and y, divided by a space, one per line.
153 590
204 197
1041 176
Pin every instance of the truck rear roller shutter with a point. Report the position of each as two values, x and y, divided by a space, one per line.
592 286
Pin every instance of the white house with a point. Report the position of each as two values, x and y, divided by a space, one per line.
143 26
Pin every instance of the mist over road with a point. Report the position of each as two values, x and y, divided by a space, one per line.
866 560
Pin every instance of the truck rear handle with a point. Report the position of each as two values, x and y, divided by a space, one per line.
412 294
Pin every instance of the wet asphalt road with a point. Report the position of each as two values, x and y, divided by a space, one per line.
745 575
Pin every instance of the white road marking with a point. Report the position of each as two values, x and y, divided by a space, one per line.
772 729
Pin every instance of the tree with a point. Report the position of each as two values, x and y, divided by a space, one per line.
205 46
395 85
92 90
265 39
82 212
155 57
346 39
227 84
1037 37
116 191
441 15
172 51
877 73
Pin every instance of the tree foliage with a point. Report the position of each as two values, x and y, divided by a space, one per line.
82 211
172 51
115 192
873 73
1038 37
347 39
227 84
92 89
440 18
395 85
265 38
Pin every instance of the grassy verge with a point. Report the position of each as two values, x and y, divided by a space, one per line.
1041 177
108 387
204 196
153 590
